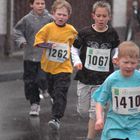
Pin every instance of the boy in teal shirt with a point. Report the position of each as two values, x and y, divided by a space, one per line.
121 90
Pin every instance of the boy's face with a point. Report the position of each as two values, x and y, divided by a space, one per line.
61 16
38 6
101 17
127 65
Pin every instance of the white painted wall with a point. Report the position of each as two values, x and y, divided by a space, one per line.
3 16
119 13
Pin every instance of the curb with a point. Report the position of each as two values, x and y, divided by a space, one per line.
11 76
12 66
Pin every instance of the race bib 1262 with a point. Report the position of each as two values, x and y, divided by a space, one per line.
59 53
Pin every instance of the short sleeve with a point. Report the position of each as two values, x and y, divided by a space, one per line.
103 93
41 36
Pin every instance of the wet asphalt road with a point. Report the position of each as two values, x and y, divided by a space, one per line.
16 124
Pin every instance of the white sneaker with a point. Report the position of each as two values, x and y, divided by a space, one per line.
52 102
54 124
43 94
35 109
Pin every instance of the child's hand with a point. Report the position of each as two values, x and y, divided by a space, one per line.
114 61
79 66
23 45
99 124
54 45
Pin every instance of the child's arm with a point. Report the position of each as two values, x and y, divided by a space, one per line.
75 58
99 117
40 39
45 45
115 56
18 33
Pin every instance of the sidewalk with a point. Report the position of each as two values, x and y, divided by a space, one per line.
11 67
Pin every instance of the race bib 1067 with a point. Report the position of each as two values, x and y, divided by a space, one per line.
97 59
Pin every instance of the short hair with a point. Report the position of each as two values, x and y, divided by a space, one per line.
128 48
102 4
63 3
32 1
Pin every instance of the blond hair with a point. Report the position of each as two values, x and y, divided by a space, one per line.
128 48
101 4
60 4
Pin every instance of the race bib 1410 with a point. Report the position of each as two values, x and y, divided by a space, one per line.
126 100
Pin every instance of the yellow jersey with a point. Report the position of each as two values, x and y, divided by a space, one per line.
57 59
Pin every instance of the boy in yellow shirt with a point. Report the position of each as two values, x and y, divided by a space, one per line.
56 38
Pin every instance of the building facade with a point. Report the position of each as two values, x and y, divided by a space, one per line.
12 10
